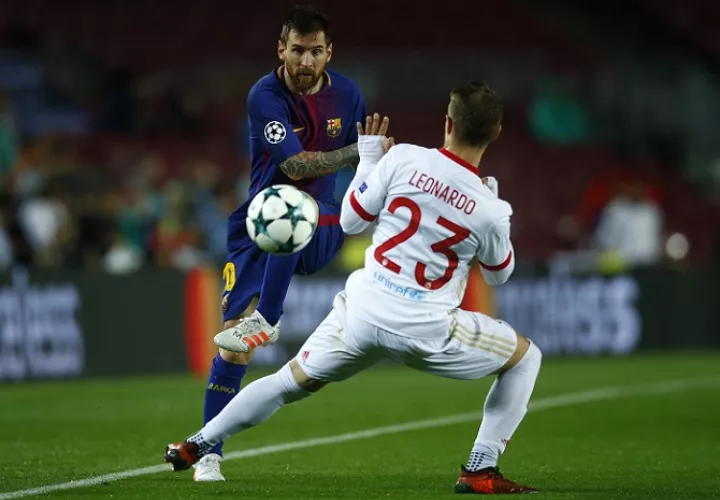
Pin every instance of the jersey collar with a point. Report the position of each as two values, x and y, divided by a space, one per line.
472 168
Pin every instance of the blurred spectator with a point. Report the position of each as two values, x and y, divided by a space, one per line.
213 212
631 225
29 173
122 257
8 138
556 118
142 204
600 190
214 202
7 245
242 187
176 239
45 220
188 252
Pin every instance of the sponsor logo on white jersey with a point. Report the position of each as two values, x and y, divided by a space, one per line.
402 291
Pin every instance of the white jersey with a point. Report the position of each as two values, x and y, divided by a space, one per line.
434 217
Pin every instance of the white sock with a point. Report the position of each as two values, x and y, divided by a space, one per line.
253 405
505 407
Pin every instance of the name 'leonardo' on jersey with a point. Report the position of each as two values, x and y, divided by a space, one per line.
442 191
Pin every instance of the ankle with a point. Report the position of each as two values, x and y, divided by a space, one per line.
482 457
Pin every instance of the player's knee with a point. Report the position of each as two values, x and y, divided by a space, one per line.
528 355
522 346
535 354
303 380
525 351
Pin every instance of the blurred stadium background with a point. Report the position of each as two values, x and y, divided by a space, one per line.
123 149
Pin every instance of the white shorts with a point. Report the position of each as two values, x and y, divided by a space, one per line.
474 346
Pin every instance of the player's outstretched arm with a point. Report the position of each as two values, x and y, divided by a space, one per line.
496 254
366 194
310 164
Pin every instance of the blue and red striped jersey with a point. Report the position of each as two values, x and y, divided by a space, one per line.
282 124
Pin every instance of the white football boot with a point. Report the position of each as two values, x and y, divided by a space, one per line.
208 469
250 333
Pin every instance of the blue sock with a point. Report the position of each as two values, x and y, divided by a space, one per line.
279 270
223 385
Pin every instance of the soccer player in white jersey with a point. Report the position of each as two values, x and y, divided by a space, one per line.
435 217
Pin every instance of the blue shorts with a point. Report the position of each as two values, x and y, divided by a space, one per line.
245 266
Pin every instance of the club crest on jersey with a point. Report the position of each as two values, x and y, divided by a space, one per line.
334 127
363 187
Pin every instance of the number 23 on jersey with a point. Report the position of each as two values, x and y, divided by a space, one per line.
443 247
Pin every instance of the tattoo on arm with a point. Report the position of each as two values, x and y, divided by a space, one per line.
310 164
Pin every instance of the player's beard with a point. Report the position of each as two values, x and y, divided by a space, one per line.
303 80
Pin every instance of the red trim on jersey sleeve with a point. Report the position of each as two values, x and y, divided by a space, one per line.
500 266
329 220
466 164
364 214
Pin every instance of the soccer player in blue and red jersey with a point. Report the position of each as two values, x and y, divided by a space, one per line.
302 125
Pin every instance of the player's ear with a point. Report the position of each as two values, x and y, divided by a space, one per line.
496 132
448 125
281 50
329 52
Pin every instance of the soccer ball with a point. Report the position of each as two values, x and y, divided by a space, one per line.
282 219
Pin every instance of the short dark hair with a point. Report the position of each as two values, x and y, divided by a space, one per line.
476 111
306 20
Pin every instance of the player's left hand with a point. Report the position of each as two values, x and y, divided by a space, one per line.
374 126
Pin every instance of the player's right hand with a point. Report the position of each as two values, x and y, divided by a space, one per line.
388 142
492 183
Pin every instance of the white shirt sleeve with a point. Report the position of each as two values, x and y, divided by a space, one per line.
365 196
496 254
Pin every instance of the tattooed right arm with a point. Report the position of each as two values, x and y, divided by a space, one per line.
311 164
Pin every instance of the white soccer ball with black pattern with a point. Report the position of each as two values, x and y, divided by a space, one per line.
282 219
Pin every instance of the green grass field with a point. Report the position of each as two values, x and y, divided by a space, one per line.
645 435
